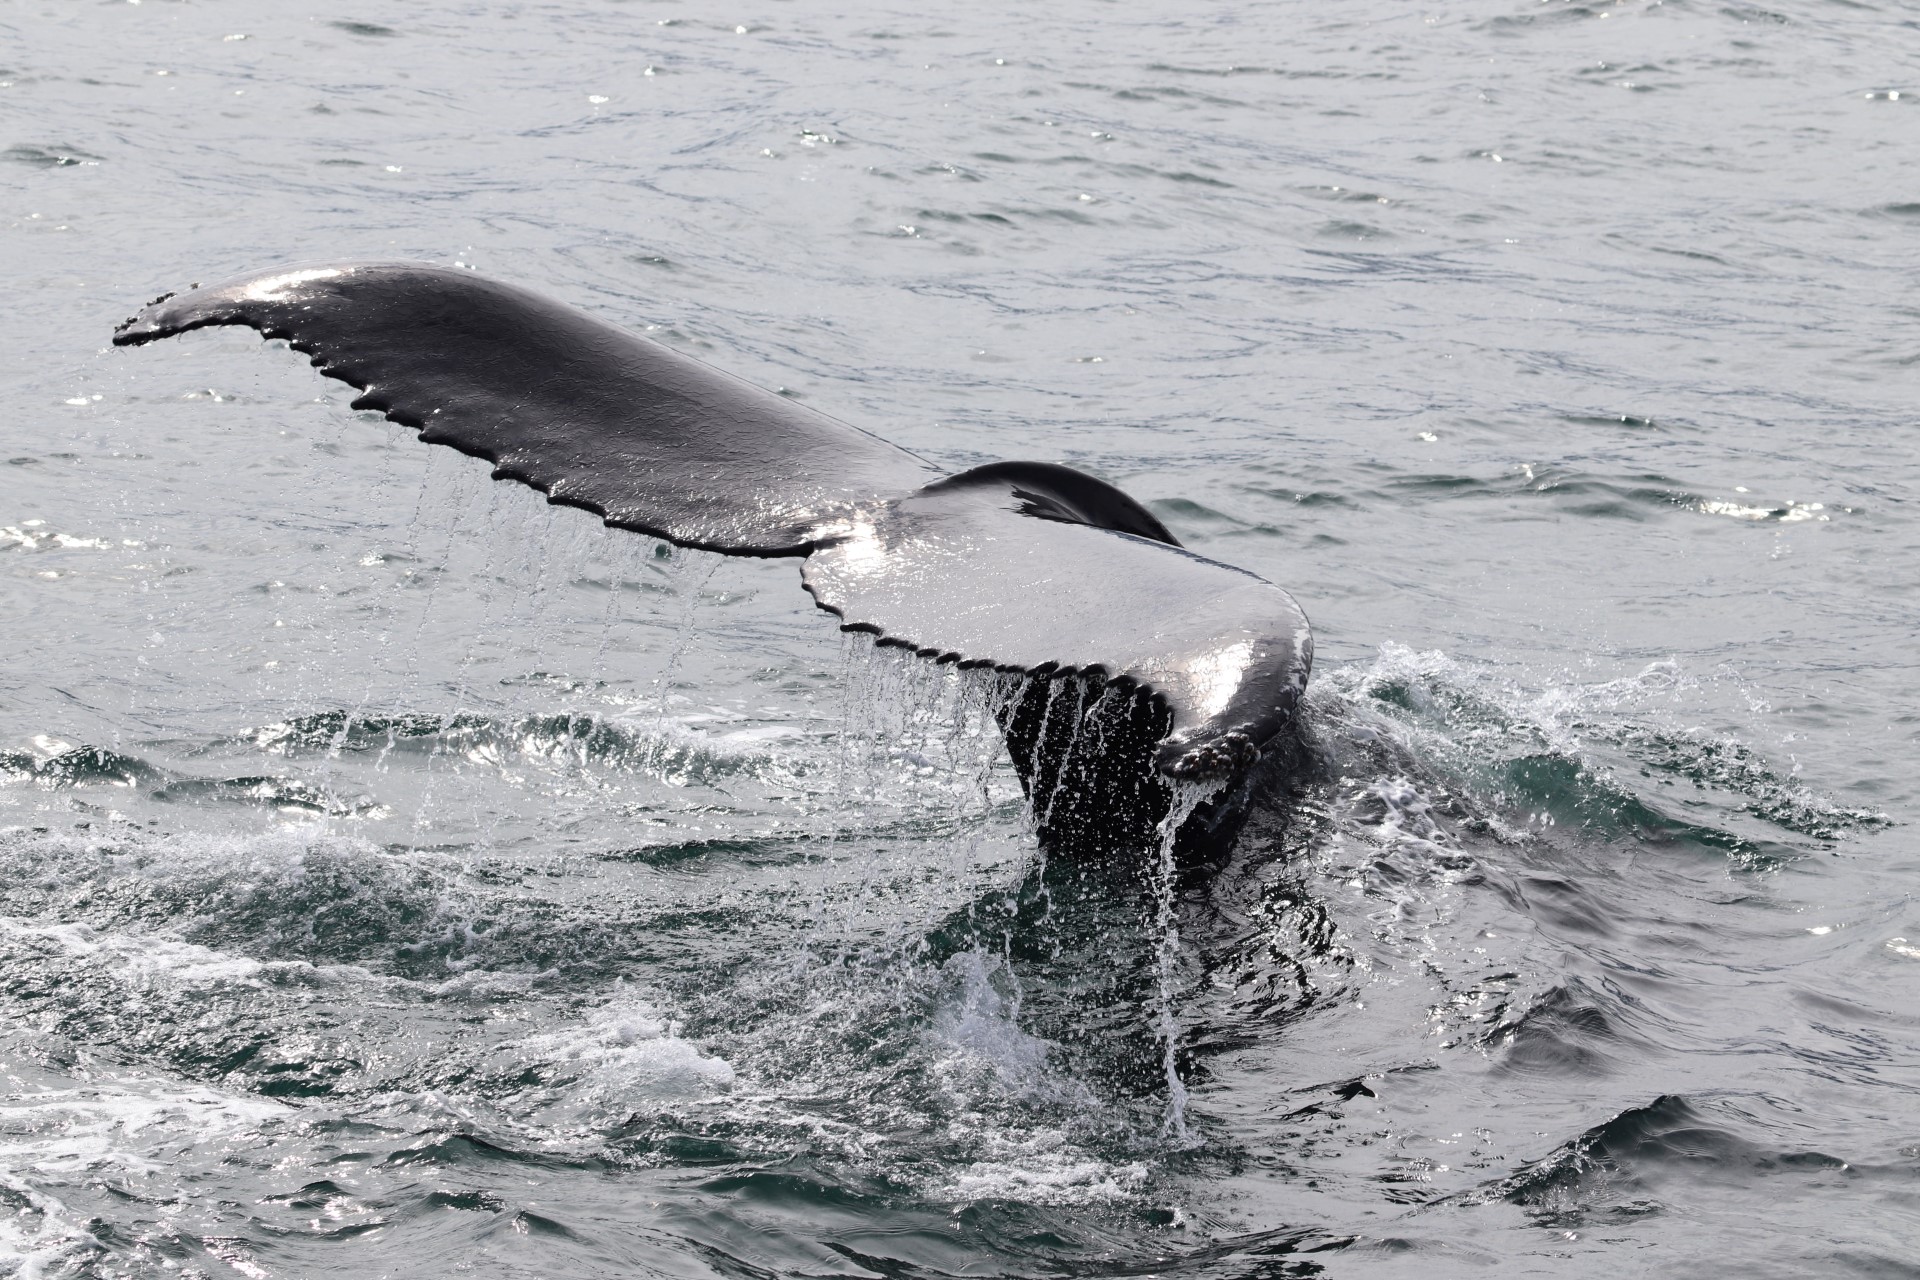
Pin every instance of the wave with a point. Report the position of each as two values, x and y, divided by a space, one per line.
1621 1168
688 747
78 768
1573 756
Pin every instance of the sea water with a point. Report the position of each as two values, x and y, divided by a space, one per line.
399 876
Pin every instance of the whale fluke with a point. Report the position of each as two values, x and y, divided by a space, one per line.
1026 567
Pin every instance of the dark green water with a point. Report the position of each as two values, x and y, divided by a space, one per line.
401 877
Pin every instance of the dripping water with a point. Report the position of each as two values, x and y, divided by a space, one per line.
1187 796
688 575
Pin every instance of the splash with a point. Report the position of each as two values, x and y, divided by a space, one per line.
1567 751
626 1052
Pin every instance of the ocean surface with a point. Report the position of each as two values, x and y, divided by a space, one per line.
401 877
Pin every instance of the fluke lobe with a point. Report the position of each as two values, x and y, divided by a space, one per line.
1144 665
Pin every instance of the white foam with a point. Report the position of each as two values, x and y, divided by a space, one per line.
487 984
141 958
42 1238
626 1052
1044 1168
31 535
125 1129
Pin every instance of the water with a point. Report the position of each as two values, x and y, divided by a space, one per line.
398 876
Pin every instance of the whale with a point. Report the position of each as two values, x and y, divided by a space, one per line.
1146 684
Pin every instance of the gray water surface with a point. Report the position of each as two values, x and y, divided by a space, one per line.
401 877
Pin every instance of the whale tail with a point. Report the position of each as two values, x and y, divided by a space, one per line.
1026 567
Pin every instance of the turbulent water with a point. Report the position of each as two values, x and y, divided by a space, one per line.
401 877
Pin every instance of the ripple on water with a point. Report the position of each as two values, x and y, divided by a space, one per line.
502 940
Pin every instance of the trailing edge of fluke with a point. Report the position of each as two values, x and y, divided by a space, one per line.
1025 567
